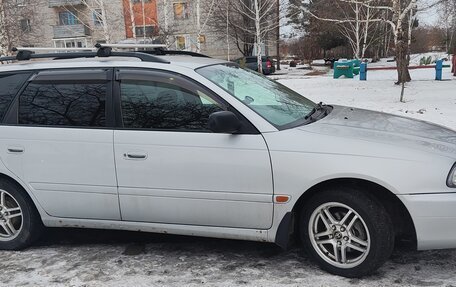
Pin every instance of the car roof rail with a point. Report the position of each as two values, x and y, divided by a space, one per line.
163 52
154 49
25 54
131 46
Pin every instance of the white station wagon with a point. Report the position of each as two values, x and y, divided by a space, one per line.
190 145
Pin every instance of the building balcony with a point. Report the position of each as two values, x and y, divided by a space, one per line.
60 3
71 31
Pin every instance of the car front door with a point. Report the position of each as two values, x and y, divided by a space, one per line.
172 169
58 140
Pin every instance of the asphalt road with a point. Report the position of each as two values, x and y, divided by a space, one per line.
73 257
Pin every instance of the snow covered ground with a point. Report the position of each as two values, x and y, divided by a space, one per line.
425 98
71 257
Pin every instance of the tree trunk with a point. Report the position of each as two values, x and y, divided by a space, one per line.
258 37
132 18
402 60
278 35
104 19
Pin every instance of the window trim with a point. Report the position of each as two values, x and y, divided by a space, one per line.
248 127
19 91
12 115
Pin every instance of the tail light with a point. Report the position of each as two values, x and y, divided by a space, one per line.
268 64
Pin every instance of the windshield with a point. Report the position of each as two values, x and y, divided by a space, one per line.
276 103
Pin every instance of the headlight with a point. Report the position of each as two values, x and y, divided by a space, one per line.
451 182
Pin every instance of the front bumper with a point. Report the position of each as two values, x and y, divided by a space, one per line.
434 216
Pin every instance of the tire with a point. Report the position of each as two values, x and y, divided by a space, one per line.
366 233
20 222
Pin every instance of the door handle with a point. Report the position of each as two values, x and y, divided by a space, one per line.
137 156
16 149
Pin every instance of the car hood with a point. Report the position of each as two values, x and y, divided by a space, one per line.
386 128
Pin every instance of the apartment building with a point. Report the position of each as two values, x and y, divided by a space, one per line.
65 23
140 19
183 26
83 23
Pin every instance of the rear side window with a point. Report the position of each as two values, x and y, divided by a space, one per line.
9 86
75 104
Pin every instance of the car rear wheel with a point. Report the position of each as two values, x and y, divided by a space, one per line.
347 232
20 223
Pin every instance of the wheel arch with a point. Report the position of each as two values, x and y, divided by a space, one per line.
404 226
30 196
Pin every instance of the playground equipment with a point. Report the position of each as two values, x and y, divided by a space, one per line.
439 66
453 70
347 68
363 72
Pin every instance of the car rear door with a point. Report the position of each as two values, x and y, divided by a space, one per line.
172 169
58 138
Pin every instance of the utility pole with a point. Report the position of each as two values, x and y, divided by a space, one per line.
278 35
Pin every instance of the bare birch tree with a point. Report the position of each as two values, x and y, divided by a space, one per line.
193 20
107 18
400 19
447 13
251 23
19 24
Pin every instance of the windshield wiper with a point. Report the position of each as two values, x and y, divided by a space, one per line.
319 108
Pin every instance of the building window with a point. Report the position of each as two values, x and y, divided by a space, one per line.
98 17
180 43
149 31
25 25
181 11
68 18
71 43
202 39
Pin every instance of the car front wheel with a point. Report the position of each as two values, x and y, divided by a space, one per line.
346 231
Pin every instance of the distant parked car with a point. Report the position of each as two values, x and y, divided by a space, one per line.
250 62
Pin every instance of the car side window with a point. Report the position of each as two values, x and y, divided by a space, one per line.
164 104
9 86
63 104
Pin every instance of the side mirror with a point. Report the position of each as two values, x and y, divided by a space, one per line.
224 122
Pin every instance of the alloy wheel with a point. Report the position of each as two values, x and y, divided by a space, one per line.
11 217
339 235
